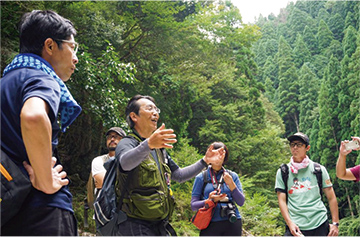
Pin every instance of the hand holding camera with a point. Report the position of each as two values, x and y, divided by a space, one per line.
347 146
352 145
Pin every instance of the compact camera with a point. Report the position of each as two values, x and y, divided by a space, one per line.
352 145
228 211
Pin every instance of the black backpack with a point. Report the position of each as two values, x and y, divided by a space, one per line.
15 187
285 176
107 207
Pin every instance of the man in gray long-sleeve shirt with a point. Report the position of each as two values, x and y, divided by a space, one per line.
142 156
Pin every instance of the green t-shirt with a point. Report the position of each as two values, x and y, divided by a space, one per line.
306 208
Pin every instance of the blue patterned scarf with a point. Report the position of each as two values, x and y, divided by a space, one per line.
69 108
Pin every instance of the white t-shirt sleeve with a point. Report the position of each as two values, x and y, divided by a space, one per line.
97 165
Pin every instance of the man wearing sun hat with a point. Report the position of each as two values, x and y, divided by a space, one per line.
301 203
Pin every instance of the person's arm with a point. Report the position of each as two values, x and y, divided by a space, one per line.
197 192
99 179
130 155
184 174
294 229
341 171
187 173
235 188
333 204
196 203
98 171
36 132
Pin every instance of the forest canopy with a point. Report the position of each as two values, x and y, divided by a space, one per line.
214 79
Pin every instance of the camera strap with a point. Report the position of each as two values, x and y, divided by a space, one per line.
216 184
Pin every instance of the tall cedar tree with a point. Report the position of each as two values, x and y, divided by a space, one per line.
329 140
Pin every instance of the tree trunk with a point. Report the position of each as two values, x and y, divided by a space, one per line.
348 198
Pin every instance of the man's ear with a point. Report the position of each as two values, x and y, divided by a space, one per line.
308 148
133 117
49 45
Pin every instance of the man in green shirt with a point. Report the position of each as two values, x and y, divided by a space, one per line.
302 207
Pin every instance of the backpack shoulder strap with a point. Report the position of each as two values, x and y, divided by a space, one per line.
318 173
285 176
206 180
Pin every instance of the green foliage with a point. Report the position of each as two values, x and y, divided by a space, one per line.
182 214
301 51
103 92
328 141
328 82
324 35
348 42
349 226
78 206
336 25
259 218
308 98
214 78
11 13
184 154
310 40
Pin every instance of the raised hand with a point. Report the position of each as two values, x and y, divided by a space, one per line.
214 157
356 139
343 150
162 138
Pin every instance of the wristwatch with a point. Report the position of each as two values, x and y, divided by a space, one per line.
336 223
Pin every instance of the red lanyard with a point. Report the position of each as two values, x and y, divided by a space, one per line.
214 180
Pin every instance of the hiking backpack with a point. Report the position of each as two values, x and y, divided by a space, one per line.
107 207
285 176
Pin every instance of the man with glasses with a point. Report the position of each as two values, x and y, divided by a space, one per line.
33 93
300 203
146 171
113 137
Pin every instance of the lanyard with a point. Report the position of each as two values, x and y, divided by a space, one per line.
214 180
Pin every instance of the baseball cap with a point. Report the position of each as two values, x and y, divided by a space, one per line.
299 136
117 130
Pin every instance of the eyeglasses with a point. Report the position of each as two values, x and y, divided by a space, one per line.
115 136
76 45
151 108
298 144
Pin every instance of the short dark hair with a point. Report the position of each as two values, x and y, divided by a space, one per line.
36 26
133 106
218 145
